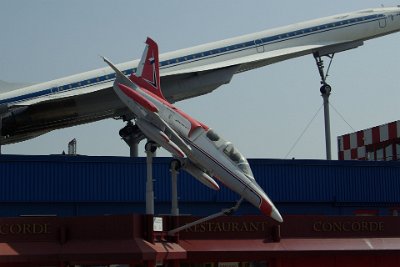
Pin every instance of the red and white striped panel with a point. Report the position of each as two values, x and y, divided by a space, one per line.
353 145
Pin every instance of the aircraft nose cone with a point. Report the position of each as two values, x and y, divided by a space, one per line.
270 210
276 215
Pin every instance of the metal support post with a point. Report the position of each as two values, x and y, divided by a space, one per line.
326 91
1 125
132 136
212 216
174 188
150 149
133 148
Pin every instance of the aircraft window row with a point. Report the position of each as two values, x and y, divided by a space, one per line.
300 32
206 53
90 81
87 82
265 40
27 96
308 30
349 21
64 87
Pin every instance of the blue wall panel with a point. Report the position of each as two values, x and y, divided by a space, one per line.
62 178
119 179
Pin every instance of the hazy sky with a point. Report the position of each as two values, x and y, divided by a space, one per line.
262 111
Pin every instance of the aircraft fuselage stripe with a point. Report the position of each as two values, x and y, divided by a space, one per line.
222 166
214 160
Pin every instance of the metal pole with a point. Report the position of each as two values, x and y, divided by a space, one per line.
132 136
210 217
149 182
133 148
326 91
174 190
1 126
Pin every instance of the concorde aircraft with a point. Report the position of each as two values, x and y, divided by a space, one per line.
87 97
198 149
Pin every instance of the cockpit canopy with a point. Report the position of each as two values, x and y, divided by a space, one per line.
233 154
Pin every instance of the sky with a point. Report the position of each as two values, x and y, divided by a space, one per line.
263 111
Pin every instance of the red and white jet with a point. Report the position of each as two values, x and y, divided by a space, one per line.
200 150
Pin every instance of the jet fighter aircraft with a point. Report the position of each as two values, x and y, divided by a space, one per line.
199 149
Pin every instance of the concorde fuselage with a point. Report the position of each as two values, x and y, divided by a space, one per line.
343 28
217 61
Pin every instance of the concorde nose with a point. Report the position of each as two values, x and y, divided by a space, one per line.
269 209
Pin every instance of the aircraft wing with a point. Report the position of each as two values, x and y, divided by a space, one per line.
23 120
269 57
171 132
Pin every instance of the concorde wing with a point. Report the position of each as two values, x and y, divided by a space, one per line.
269 57
22 120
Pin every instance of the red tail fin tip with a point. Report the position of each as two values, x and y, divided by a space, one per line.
148 71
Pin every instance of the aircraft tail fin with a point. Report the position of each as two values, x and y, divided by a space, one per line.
147 74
